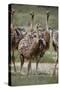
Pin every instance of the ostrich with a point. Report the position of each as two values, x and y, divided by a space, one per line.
54 40
44 37
33 45
17 33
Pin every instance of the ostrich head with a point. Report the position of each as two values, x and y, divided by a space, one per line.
35 36
42 44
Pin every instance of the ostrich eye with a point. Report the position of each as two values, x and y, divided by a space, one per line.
34 35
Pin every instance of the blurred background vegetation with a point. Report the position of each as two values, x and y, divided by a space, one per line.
22 15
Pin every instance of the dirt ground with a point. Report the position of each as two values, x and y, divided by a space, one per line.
42 76
42 67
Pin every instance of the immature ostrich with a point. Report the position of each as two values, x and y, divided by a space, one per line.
16 35
44 37
28 46
55 45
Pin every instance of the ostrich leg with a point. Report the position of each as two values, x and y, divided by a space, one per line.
13 60
37 61
55 65
29 66
22 61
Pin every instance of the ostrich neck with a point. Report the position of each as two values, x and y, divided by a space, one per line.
46 25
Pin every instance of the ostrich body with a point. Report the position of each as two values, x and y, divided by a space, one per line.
33 45
28 48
